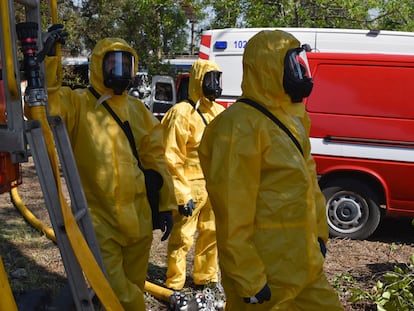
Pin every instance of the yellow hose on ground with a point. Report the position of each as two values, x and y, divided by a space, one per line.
157 291
29 216
7 301
87 261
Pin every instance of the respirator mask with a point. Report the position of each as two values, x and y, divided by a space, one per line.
118 70
212 85
297 80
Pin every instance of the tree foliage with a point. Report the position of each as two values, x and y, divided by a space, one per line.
156 29
161 28
356 14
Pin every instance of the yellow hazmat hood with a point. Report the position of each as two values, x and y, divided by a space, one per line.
263 64
96 67
195 88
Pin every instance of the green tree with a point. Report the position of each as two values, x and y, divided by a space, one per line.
226 13
156 29
161 29
365 14
70 17
395 15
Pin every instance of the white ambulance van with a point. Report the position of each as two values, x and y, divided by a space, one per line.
362 116
226 46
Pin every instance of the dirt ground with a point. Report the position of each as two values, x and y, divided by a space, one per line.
349 263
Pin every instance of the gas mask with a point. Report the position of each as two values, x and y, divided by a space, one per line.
118 70
212 85
297 80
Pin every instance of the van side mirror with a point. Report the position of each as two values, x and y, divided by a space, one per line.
306 47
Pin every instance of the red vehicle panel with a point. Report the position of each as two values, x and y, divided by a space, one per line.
362 135
362 131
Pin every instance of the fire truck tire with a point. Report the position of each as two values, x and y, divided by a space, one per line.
351 209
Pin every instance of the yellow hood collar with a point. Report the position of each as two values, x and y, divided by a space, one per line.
96 68
195 88
263 65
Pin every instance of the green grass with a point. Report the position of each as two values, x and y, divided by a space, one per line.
26 250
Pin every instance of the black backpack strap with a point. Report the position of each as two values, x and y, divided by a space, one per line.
124 125
273 118
198 110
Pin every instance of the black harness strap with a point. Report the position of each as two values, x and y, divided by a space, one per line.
124 125
198 110
273 118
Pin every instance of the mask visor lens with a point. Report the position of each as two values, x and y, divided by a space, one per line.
119 64
212 80
297 63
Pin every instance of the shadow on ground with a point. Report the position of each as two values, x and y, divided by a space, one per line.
394 230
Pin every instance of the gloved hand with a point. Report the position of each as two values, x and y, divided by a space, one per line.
260 297
55 34
322 246
165 220
187 210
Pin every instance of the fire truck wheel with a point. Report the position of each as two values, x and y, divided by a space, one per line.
351 209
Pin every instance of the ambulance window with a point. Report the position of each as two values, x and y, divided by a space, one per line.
381 91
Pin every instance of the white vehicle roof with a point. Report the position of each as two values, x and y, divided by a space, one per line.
226 47
73 61
325 39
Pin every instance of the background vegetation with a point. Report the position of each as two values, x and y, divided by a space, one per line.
160 29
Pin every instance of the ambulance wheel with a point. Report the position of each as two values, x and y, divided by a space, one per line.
351 209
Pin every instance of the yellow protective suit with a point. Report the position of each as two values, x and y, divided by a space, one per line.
184 127
268 206
113 184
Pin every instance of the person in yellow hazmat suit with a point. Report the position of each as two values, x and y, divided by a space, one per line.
270 212
113 183
184 125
